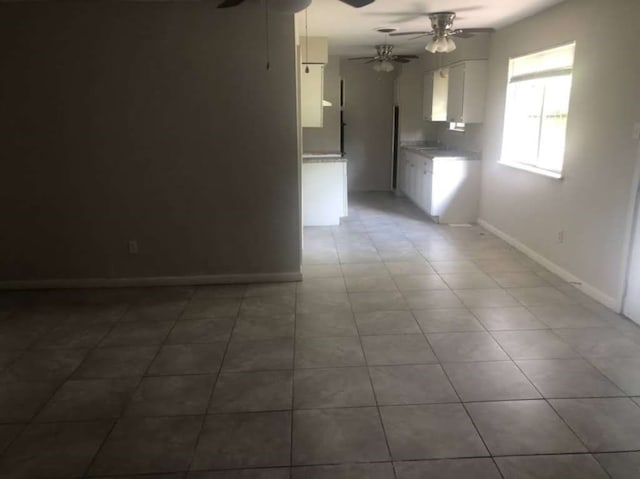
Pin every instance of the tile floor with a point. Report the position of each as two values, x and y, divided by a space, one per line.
411 350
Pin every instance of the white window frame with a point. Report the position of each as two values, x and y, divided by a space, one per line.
538 74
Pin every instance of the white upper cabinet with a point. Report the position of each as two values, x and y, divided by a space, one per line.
434 100
311 96
314 56
440 94
455 97
314 50
467 90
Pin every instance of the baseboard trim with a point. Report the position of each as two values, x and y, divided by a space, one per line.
586 288
151 281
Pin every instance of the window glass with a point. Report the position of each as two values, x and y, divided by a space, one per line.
537 109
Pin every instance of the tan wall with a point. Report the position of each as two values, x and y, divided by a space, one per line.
409 91
591 203
369 99
149 121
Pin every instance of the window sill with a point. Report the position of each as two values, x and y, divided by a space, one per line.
533 169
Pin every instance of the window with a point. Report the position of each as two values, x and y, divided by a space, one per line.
457 126
537 108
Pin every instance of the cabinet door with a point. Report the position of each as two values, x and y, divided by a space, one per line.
427 180
475 86
412 181
455 97
401 167
428 96
440 95
407 178
418 182
311 95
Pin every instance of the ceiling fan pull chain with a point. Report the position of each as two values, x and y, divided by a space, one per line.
266 29
306 38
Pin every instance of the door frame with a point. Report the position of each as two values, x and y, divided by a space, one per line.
633 229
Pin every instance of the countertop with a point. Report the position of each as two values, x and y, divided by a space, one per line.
437 153
323 158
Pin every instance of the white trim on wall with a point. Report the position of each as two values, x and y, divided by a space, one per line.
591 291
151 281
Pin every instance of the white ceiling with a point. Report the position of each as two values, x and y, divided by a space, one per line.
351 31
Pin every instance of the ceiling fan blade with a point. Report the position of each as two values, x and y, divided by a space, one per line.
468 9
400 34
478 30
230 3
469 32
410 16
401 60
408 56
357 3
371 61
362 58
402 17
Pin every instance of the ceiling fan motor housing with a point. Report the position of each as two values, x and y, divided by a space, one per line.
442 22
384 51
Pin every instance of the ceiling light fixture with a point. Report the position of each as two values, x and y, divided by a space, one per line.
441 44
384 59
383 66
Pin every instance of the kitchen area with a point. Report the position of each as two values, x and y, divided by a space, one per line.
441 175
324 166
430 154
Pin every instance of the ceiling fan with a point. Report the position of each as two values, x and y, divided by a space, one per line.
384 58
443 31
293 6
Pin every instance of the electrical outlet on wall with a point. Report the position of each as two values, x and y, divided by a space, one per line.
133 247
561 236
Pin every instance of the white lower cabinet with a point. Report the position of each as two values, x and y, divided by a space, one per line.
324 192
447 188
425 197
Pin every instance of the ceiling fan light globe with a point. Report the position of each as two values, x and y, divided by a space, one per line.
451 45
431 46
377 66
386 67
288 6
442 45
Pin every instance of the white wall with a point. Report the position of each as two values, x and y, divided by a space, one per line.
327 138
149 121
369 101
591 203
